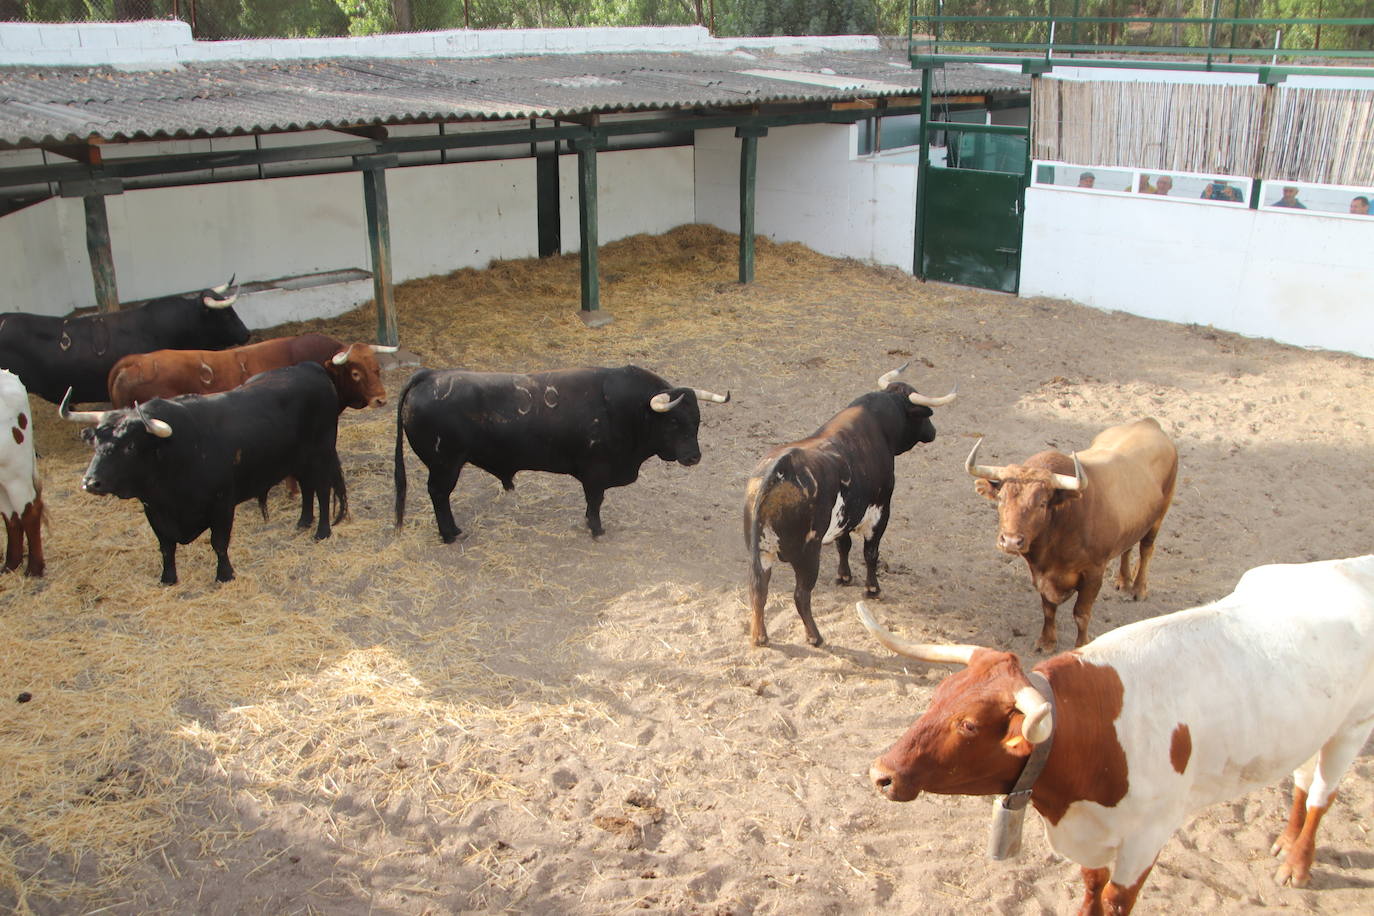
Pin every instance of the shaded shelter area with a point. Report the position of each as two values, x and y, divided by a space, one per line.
390 113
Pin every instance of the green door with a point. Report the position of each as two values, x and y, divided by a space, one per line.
972 227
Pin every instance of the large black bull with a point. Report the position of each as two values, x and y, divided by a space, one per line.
192 459
51 354
598 425
837 481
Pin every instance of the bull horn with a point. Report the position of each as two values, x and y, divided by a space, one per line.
222 288
380 348
924 401
887 378
1039 722
78 416
1077 482
160 428
340 358
214 303
662 404
926 652
704 395
987 472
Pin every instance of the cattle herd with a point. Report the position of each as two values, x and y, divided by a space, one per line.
1276 677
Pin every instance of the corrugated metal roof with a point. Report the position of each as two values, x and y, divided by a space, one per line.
68 104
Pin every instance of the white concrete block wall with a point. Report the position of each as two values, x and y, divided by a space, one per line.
637 191
163 43
812 189
1301 279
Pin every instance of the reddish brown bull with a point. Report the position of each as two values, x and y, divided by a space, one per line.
1069 516
139 378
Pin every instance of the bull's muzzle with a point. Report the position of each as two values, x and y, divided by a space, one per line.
1011 543
94 486
882 778
688 461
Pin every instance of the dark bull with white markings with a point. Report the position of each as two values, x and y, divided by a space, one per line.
835 482
51 355
192 459
597 425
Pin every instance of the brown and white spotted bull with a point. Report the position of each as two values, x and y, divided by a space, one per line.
1152 722
138 378
837 481
21 493
1069 516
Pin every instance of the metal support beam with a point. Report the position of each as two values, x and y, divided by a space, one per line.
102 258
92 194
587 231
748 175
922 171
379 241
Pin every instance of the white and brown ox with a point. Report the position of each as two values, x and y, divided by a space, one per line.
21 494
1069 516
1156 720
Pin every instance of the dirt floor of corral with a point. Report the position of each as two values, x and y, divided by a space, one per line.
532 721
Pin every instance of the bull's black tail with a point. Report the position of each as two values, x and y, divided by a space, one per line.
400 464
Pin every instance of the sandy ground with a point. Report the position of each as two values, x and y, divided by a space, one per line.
532 721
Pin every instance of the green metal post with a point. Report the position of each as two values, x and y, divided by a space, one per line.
748 174
922 171
379 241
102 258
587 230
92 192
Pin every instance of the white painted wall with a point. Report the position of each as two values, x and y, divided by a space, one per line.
443 218
813 188
638 191
1301 279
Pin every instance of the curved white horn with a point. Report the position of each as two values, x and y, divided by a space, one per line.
704 395
1076 482
160 428
77 416
887 378
381 348
926 652
1039 721
220 290
662 404
925 401
985 471
220 303
340 358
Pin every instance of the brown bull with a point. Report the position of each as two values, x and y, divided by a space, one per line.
138 378
1069 516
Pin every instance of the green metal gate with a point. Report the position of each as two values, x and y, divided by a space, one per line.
972 227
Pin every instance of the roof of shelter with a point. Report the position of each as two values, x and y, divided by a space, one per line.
64 104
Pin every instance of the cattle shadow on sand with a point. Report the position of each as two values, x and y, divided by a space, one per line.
529 719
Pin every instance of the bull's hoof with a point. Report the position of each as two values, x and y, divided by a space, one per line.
760 642
1044 648
815 640
449 538
1292 876
872 591
844 580
321 536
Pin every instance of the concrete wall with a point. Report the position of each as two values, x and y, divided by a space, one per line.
811 188
443 217
163 43
1300 279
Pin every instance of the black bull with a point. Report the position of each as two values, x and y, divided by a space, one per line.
838 480
51 354
597 425
192 459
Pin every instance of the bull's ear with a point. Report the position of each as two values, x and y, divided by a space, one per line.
987 488
1063 497
1016 744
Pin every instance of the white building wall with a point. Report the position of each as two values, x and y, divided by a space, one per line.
637 191
812 188
1300 279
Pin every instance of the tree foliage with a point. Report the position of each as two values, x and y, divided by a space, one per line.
214 19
